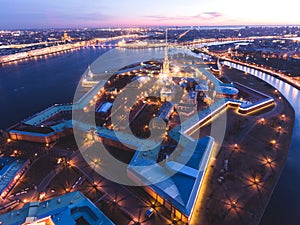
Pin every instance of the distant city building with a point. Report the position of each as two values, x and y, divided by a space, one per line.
66 37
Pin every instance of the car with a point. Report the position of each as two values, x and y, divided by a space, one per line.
149 212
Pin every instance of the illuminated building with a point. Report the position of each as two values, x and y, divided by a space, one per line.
11 172
88 79
179 192
167 92
70 209
66 37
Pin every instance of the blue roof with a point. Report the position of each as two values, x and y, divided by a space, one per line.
192 164
165 110
105 107
64 210
227 90
11 168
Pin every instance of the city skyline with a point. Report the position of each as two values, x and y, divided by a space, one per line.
68 14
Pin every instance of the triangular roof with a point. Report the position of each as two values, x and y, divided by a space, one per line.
181 188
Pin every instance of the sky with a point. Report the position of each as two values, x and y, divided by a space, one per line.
16 14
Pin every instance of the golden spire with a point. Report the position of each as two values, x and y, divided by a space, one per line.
90 73
166 65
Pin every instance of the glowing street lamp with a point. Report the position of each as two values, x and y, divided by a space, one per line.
269 161
233 205
256 181
279 129
262 120
236 146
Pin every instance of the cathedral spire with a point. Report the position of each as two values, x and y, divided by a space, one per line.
166 65
90 73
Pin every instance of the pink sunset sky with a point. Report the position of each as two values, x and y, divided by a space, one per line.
99 13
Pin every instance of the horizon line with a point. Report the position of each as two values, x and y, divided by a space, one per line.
151 26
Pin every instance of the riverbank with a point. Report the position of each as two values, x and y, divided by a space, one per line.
255 150
294 81
56 49
6 59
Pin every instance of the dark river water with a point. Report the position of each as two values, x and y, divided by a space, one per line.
31 86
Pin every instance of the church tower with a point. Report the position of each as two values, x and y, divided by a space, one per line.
166 64
166 93
90 73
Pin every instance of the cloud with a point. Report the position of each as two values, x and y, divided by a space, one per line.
207 16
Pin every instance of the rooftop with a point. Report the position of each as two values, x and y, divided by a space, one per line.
229 90
105 107
10 169
63 210
188 167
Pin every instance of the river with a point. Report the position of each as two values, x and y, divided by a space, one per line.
30 86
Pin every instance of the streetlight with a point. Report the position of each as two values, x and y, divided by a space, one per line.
256 181
233 205
269 161
279 129
273 142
